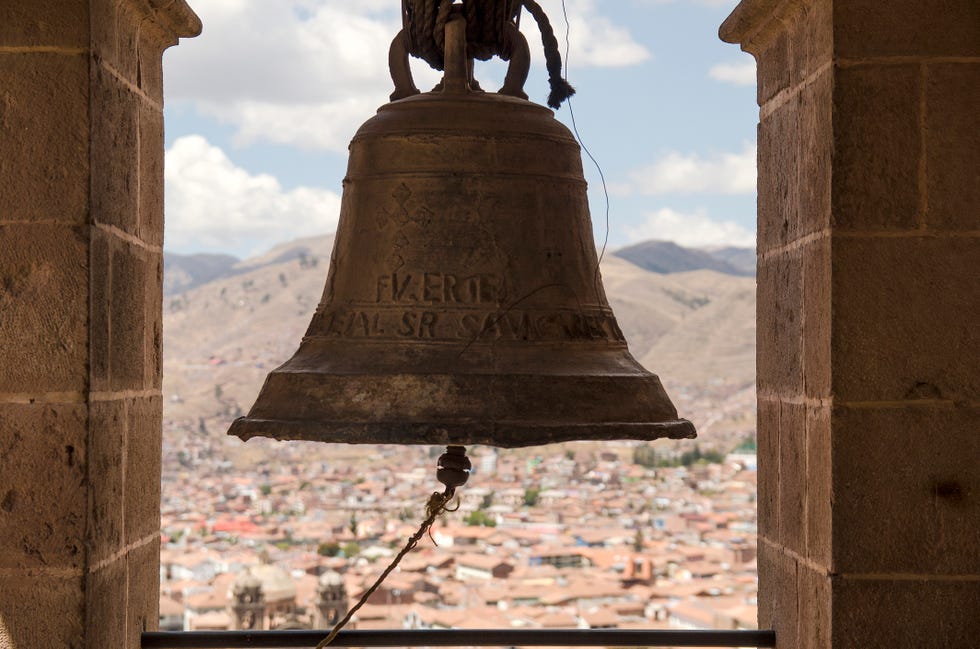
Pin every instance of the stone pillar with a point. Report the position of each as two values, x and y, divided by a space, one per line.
81 227
868 329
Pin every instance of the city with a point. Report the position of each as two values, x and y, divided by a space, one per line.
577 535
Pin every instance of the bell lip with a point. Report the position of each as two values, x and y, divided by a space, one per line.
501 434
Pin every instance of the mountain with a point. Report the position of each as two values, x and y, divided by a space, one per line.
695 329
184 272
666 257
741 258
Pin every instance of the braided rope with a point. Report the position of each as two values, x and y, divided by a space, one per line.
560 88
486 25
433 508
439 29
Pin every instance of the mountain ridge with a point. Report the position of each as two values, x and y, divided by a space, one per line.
695 329
667 257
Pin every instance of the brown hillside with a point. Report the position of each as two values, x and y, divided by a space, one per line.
696 330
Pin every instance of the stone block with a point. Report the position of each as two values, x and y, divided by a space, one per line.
143 460
115 152
115 28
906 490
871 28
792 477
904 318
99 305
814 605
876 147
767 440
778 586
816 143
43 491
819 35
106 606
107 424
773 70
44 127
819 486
151 152
817 274
952 137
795 28
127 316
43 299
42 611
778 186
43 23
153 331
905 614
143 568
780 324
153 42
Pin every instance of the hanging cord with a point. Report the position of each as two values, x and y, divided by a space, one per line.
453 471
602 176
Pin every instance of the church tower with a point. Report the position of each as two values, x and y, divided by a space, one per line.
331 600
248 602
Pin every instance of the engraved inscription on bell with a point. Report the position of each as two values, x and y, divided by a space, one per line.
469 326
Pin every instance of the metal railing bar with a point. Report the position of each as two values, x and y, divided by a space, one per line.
460 638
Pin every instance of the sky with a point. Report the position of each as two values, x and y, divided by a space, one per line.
261 106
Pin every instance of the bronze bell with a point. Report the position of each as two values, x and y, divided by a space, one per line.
463 304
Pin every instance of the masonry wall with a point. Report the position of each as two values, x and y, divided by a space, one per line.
868 312
81 227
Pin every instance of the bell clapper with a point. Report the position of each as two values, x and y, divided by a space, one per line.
453 468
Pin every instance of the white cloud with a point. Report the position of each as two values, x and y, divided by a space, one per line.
679 173
740 74
213 205
706 3
304 73
595 40
692 230
309 72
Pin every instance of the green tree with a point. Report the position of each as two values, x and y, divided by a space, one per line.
531 496
328 549
350 549
265 489
479 517
645 456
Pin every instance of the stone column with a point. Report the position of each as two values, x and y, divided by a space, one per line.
868 328
81 227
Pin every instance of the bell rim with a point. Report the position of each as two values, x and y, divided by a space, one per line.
500 434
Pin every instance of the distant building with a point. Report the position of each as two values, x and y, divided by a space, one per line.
482 567
331 600
262 598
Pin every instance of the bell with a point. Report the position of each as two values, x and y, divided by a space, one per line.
463 304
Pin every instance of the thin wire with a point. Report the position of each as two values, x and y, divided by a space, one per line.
571 112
